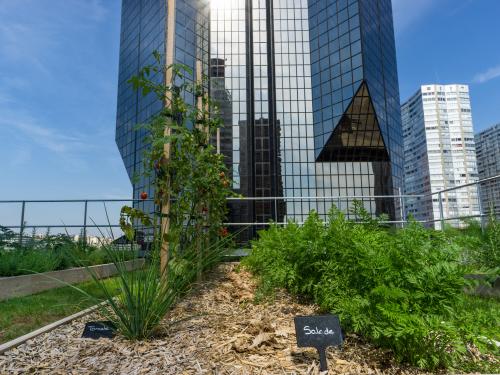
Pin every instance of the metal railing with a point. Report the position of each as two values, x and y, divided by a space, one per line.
483 212
294 208
107 222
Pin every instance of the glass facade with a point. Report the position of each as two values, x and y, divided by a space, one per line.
140 36
308 93
357 120
144 30
315 101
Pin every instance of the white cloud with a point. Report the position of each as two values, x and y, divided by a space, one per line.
23 44
62 143
407 12
50 138
488 75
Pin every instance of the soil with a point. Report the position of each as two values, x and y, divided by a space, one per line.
216 329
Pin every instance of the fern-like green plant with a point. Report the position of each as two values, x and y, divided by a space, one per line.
402 289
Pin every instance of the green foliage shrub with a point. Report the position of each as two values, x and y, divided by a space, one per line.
53 253
490 255
399 288
480 247
14 262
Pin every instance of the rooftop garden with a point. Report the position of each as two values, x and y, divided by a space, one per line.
401 293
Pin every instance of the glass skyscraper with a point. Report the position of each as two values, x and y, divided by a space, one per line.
145 26
308 93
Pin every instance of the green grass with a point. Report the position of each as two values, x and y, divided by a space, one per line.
21 315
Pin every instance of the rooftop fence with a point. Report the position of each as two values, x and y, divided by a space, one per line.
99 218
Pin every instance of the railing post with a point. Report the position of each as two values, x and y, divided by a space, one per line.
276 209
21 230
401 210
85 223
441 211
480 205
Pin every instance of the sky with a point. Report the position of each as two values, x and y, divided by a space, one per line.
451 41
59 70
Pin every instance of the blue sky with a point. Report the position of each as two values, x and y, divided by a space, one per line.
58 76
451 41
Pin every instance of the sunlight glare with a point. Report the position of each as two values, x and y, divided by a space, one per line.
221 4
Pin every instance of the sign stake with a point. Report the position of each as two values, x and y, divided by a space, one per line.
323 364
320 332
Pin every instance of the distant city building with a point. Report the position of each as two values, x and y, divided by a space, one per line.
439 153
488 165
93 240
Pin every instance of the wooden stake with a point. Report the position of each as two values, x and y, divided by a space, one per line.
169 60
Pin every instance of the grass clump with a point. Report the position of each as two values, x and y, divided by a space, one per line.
139 299
401 289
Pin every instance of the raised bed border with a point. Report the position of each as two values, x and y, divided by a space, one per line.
24 285
49 327
490 289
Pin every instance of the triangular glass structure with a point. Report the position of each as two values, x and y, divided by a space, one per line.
357 136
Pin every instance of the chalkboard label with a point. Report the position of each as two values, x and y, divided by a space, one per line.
320 332
97 330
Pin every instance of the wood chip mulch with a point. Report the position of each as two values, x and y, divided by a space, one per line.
217 329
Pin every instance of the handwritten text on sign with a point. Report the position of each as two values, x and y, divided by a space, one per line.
316 331
97 330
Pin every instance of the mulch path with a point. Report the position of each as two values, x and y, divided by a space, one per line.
216 329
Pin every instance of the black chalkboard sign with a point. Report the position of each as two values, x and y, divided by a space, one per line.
320 332
97 330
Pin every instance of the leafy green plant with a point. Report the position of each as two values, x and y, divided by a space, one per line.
190 187
490 255
402 289
14 262
192 178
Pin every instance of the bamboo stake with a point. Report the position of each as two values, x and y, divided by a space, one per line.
169 60
199 106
